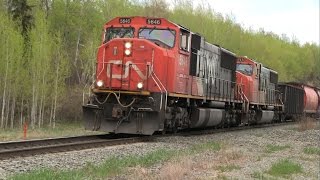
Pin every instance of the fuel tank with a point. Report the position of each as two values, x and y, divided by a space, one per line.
264 116
206 117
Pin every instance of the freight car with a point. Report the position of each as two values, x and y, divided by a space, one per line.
310 98
154 75
318 92
293 98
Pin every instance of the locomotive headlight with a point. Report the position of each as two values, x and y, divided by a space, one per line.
128 45
100 83
140 85
127 52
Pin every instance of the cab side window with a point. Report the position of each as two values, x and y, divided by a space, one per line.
184 40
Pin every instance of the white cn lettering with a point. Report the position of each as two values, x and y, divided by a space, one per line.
126 70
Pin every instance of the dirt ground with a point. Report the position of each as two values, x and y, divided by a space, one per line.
249 154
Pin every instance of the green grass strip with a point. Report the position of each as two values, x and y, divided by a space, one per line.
116 165
312 150
274 148
285 168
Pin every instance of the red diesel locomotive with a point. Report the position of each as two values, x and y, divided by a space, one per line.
154 75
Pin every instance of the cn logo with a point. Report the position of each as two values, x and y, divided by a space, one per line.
126 70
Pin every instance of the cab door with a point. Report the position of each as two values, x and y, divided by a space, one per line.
183 62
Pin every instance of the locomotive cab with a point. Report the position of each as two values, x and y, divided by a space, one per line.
133 49
247 75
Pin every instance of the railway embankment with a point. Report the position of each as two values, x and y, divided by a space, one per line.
288 151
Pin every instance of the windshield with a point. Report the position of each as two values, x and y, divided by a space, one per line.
121 32
162 37
245 69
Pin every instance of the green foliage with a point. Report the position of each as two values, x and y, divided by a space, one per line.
285 168
274 148
312 150
21 12
11 53
48 174
276 52
49 48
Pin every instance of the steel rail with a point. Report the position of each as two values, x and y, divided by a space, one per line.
208 131
15 149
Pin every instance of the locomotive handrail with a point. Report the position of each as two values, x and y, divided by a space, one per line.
213 88
244 97
103 59
153 73
155 79
117 98
270 96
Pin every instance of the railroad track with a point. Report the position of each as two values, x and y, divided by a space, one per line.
52 145
15 149
239 128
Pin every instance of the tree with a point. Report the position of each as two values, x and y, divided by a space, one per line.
11 51
156 8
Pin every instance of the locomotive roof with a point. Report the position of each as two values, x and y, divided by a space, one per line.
166 22
255 61
139 20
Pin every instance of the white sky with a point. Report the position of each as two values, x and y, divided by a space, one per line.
295 18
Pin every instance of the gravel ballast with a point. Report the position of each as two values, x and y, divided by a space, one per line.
245 150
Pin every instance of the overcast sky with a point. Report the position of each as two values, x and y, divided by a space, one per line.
298 18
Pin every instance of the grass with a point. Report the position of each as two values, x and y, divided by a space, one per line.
312 150
228 168
61 129
213 146
175 169
285 168
110 167
222 177
307 123
274 148
262 176
259 158
116 165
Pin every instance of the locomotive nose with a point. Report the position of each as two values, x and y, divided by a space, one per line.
125 64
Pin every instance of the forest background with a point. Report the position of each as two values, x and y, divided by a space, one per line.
48 50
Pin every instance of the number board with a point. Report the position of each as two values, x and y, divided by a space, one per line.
124 20
154 21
